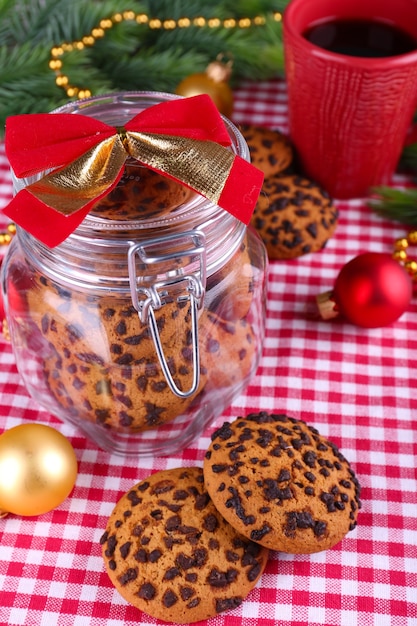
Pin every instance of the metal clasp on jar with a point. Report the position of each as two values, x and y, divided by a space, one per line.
160 269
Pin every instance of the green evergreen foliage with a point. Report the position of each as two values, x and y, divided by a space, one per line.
130 56
399 205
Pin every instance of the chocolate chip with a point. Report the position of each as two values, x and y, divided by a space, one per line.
173 523
141 556
257 535
186 593
310 477
232 556
125 549
90 357
134 498
274 492
220 580
201 501
219 468
329 501
310 458
180 494
210 523
130 574
236 503
284 475
254 572
320 528
147 591
103 538
265 438
226 604
121 328
213 544
125 359
172 573
234 454
224 432
154 555
198 558
111 545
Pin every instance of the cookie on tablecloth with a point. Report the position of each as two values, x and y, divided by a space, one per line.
271 151
294 216
170 553
280 483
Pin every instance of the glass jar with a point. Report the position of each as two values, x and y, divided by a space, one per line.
147 321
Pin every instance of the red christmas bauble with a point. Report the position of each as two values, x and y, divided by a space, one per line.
372 290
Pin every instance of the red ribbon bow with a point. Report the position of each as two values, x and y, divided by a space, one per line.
36 143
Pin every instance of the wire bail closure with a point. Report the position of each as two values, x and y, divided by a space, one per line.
150 289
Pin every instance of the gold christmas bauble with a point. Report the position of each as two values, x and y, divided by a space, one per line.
38 469
212 82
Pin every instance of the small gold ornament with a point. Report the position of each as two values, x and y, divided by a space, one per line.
213 82
38 469
400 253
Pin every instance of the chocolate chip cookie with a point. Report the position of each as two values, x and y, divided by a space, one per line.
142 194
280 483
294 216
170 553
100 362
271 151
227 351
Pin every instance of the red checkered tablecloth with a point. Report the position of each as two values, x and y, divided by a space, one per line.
356 386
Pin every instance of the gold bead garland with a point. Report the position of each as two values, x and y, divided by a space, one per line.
7 235
5 238
400 253
57 52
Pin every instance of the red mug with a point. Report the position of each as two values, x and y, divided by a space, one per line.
349 113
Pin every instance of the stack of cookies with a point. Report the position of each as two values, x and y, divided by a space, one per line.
189 543
294 216
99 361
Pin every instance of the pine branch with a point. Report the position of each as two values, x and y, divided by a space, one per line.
55 21
144 72
395 204
129 56
398 205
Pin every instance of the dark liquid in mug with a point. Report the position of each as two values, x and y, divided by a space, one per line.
361 38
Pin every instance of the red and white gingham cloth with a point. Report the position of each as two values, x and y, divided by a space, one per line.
358 387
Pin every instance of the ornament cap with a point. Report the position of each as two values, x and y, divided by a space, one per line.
326 305
218 71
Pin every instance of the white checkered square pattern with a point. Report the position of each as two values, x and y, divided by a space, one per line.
356 386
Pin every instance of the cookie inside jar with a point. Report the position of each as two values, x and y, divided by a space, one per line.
142 194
